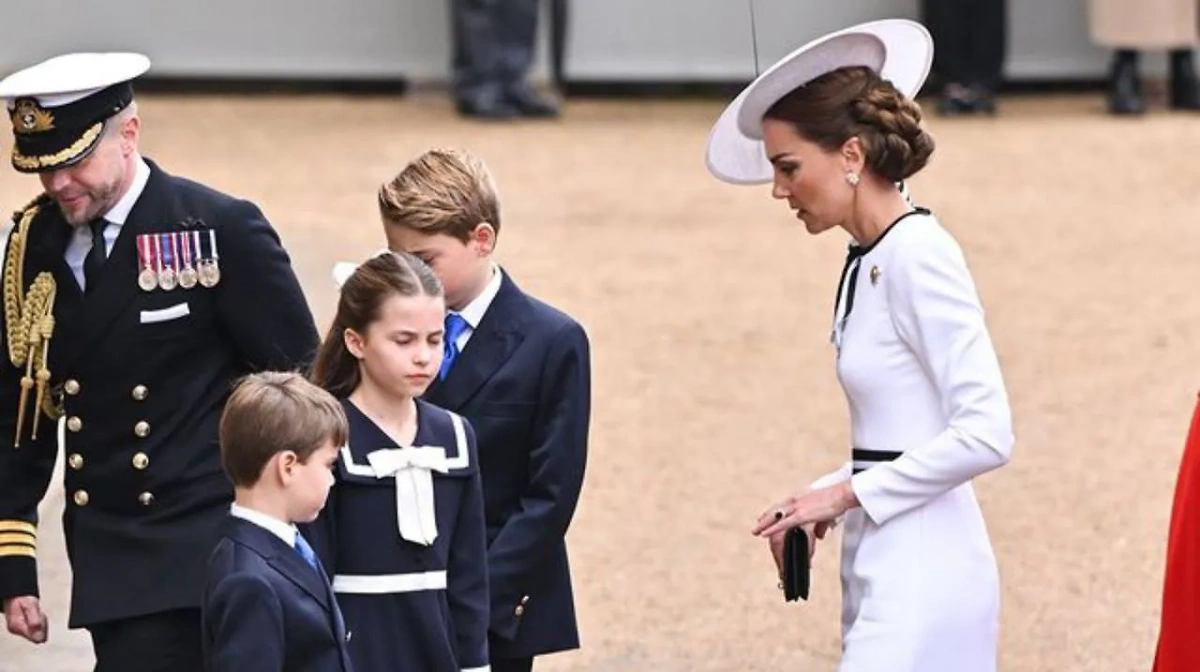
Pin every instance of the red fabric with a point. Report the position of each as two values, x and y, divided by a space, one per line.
1178 640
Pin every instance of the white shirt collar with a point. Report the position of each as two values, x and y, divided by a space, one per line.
285 531
120 212
474 311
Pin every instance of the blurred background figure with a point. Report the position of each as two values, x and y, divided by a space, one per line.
971 38
1133 26
494 43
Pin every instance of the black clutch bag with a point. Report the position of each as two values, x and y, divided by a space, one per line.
795 565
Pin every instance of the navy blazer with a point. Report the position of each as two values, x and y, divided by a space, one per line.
265 609
524 383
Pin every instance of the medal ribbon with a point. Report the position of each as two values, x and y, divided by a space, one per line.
185 247
158 254
168 252
197 248
145 252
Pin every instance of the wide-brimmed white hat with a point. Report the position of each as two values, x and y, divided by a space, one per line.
900 50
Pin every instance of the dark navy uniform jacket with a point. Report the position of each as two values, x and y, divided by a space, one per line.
402 533
141 378
524 383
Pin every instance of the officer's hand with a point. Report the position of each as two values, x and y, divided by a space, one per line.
25 618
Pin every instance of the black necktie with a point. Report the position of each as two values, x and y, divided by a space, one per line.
97 255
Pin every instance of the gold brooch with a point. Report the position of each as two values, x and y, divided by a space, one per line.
29 117
874 275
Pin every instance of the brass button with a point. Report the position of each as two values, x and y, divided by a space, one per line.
74 423
142 429
525 600
81 498
76 461
140 392
71 387
146 498
519 611
141 461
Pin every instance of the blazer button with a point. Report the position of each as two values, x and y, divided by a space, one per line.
139 392
141 461
71 387
146 498
519 611
142 429
76 461
74 423
81 498
525 600
349 635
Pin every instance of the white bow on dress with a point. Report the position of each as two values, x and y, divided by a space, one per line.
413 470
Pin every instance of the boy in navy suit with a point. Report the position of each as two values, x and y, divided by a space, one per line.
519 371
267 605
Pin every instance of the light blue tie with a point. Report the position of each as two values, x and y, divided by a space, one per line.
307 552
455 326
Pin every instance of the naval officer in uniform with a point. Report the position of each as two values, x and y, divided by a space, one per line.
834 128
132 301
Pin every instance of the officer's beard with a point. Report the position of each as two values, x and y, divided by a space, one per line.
81 207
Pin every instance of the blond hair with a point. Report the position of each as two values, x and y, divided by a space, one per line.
271 412
446 191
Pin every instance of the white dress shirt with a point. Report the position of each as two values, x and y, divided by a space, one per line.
285 531
474 311
81 241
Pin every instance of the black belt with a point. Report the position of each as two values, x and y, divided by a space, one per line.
863 458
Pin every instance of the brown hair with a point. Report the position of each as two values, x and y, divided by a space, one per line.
271 412
856 102
378 278
446 191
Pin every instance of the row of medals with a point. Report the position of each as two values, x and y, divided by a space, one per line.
206 272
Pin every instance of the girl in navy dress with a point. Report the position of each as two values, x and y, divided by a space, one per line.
402 534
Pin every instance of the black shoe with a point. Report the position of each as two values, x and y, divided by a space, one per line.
983 99
1184 94
955 99
487 107
1124 85
529 103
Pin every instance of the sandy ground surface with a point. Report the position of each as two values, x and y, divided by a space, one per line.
709 309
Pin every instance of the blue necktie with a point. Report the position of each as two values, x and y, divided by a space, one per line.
307 552
455 326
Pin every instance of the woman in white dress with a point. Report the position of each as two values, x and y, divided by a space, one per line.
835 132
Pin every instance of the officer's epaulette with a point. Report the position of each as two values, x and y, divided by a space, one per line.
36 204
28 319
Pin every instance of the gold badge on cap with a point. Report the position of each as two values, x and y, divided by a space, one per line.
29 117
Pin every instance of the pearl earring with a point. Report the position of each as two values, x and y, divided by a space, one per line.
852 178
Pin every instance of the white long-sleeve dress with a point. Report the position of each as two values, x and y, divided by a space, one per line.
929 411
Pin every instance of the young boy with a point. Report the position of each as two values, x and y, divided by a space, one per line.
267 605
519 371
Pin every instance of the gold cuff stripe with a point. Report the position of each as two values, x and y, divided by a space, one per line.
52 160
17 526
17 538
15 549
